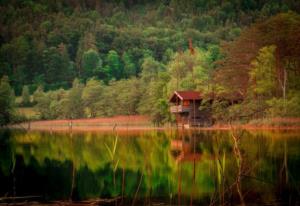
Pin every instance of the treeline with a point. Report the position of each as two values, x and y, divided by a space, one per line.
147 94
51 43
80 60
263 67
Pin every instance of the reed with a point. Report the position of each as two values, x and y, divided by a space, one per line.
112 154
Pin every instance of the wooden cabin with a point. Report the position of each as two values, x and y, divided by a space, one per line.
185 106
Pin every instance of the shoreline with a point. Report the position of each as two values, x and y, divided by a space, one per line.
143 123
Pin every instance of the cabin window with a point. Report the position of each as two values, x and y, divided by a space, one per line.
186 103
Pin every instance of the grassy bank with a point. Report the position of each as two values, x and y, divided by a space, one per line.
139 122
263 124
281 122
132 122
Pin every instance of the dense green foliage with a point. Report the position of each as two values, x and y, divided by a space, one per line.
128 56
262 65
51 43
6 101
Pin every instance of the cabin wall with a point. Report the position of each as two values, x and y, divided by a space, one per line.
194 108
182 118
197 117
194 117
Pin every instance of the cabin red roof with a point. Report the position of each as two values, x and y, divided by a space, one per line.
186 95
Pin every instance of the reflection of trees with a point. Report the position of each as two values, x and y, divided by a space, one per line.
145 164
240 164
193 157
73 167
7 160
88 153
210 162
259 159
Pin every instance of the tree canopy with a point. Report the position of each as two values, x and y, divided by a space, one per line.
102 58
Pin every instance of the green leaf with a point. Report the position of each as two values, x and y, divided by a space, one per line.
224 161
109 151
116 165
115 145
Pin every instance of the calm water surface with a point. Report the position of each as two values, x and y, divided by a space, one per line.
152 167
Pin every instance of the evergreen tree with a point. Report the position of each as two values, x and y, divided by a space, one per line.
113 62
57 67
129 66
86 43
91 64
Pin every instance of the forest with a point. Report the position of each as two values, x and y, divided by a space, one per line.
83 59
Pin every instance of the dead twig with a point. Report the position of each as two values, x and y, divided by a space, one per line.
18 198
137 190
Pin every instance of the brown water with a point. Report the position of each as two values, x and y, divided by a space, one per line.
152 167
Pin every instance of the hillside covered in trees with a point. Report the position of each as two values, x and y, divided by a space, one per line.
102 58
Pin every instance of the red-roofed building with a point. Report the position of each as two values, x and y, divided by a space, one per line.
186 95
185 105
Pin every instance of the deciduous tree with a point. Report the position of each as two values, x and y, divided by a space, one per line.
91 96
25 96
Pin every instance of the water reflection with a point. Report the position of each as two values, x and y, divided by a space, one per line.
170 167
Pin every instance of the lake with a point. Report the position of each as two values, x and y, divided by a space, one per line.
151 167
